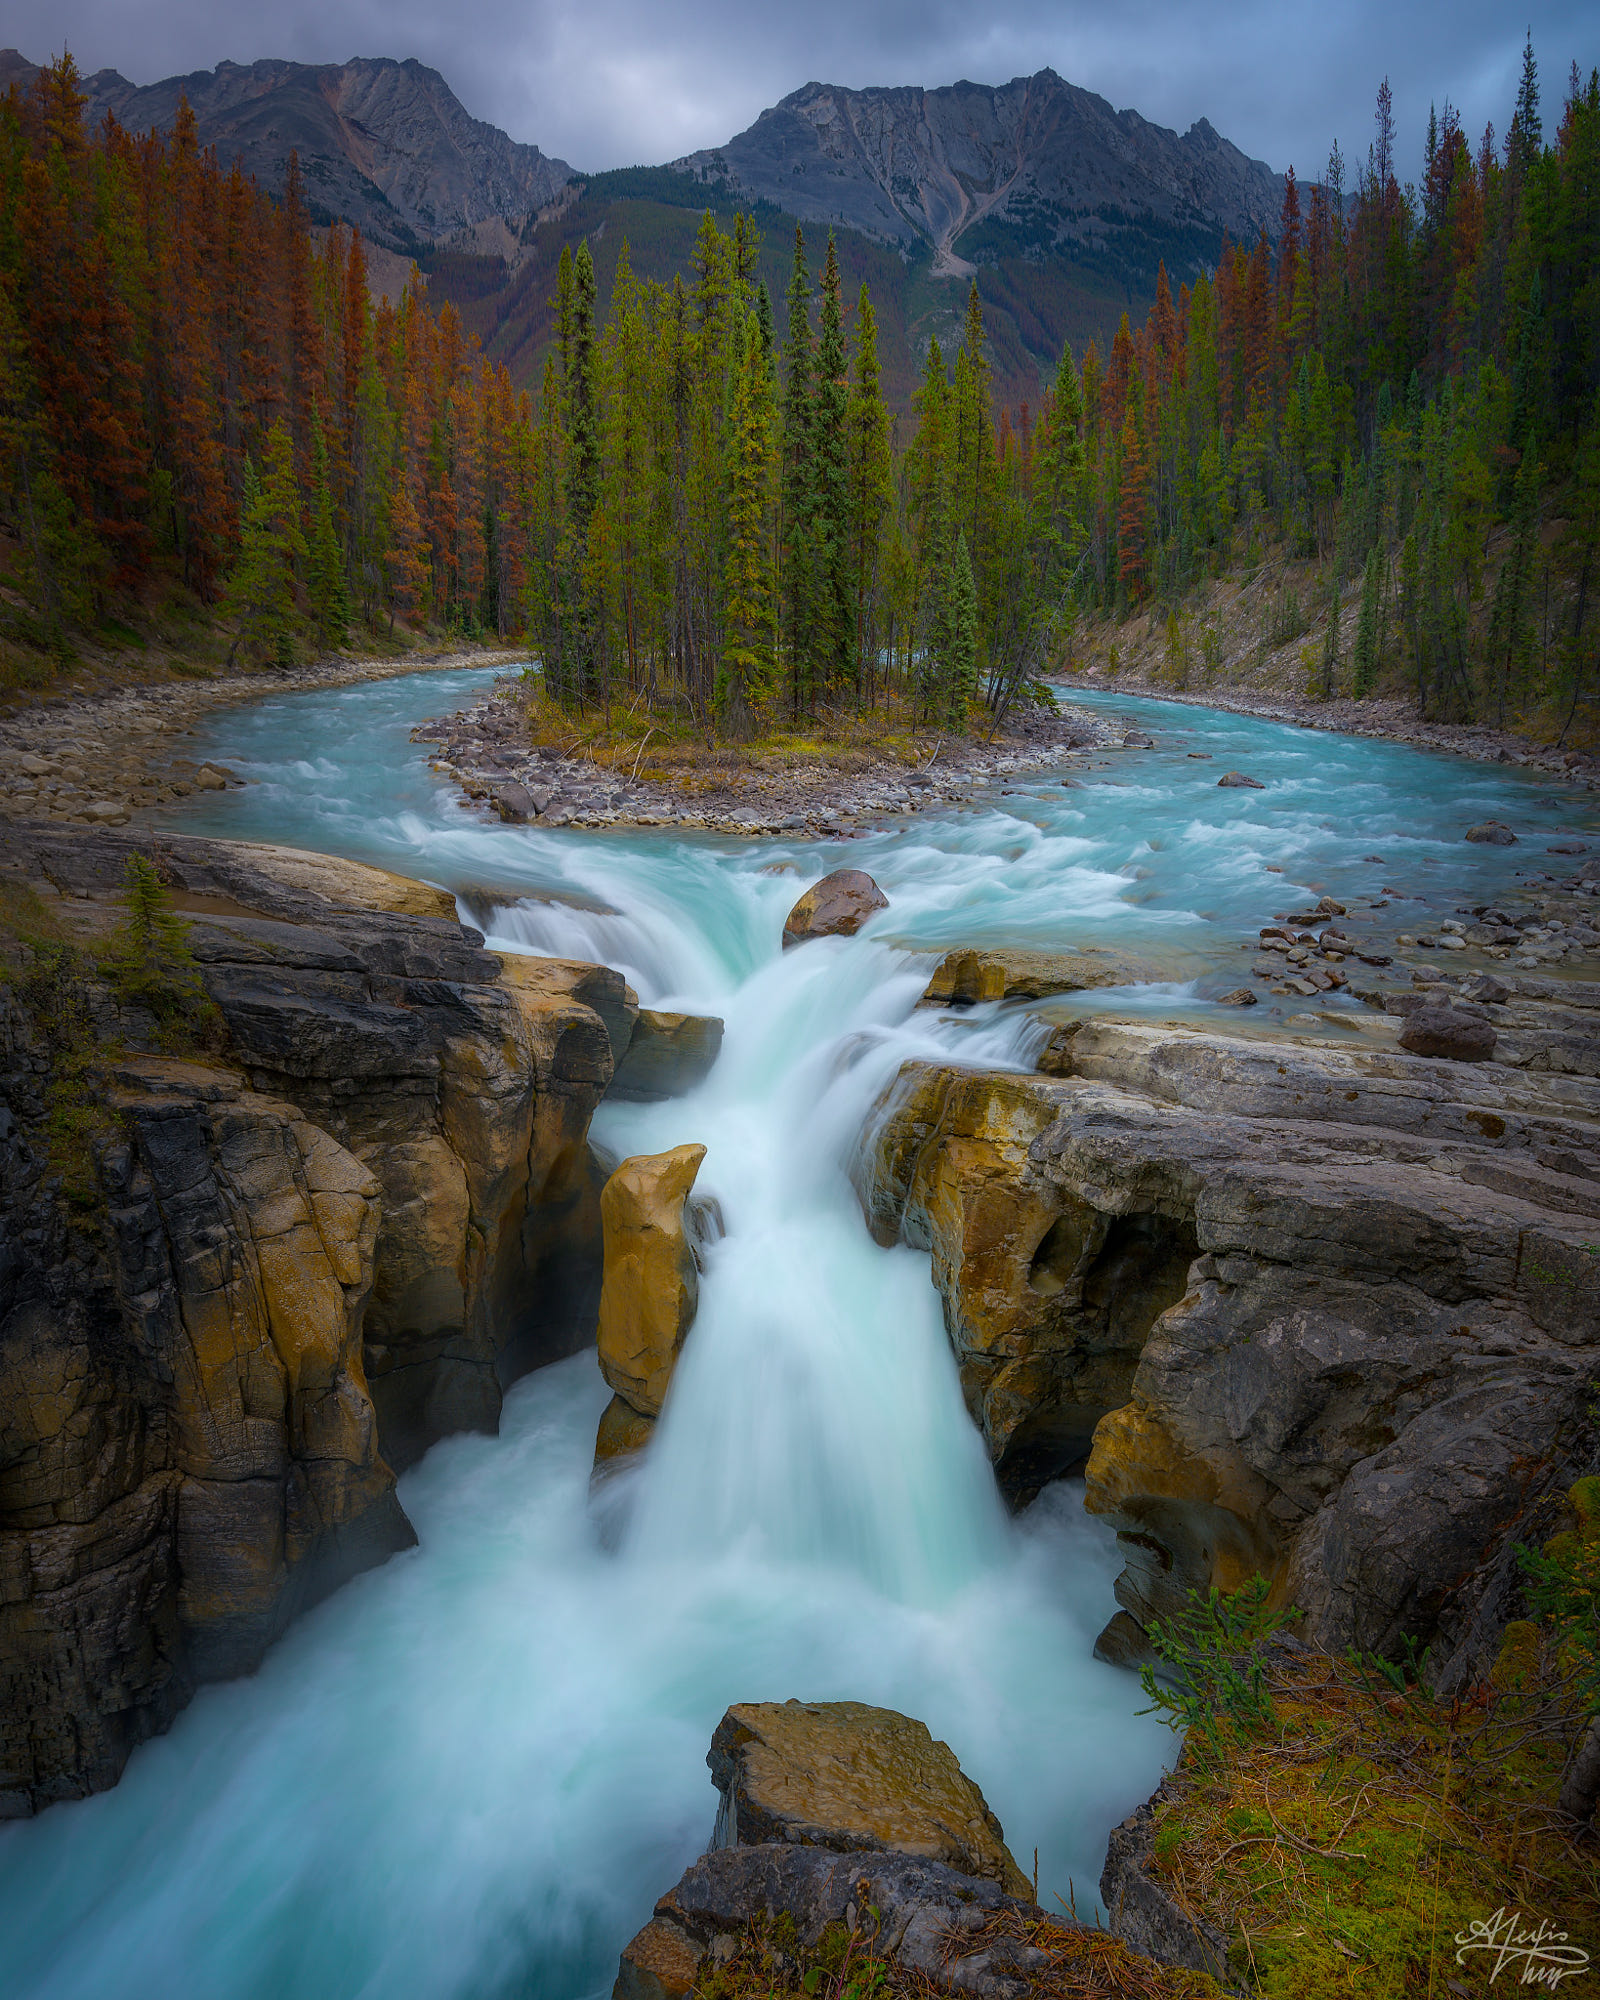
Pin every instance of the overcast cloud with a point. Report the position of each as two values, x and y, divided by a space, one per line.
605 83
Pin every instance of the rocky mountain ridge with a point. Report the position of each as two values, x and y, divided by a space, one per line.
1053 168
381 143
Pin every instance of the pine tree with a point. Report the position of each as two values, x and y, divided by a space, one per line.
1511 630
798 580
259 594
871 478
833 605
325 578
748 664
1132 523
1364 657
960 663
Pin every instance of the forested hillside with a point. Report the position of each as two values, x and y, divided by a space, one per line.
703 513
1402 401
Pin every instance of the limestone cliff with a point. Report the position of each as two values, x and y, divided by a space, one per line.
305 1257
1327 1314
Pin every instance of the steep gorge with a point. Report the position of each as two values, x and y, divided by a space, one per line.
312 1256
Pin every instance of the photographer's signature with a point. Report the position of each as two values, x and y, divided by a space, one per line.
1540 1955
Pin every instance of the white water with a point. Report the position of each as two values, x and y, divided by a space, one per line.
469 1774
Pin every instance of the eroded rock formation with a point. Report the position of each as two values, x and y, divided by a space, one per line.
303 1259
188 1452
1327 1314
649 1290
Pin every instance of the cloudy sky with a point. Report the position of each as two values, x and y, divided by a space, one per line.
615 82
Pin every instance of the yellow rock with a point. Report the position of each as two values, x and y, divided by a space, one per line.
1185 1522
650 1287
622 1432
843 1775
351 883
964 978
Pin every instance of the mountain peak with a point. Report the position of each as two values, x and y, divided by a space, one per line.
1050 166
382 142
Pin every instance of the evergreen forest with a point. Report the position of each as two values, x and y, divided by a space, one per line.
703 507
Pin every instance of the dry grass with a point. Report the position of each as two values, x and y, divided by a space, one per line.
1082 1964
665 745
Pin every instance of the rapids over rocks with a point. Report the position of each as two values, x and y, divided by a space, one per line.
469 1773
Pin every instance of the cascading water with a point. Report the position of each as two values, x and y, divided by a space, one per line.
467 1776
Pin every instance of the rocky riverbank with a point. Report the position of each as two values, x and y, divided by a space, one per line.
1378 716
485 751
97 759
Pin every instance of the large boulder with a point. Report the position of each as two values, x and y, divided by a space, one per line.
1492 833
844 1775
837 906
1435 1029
650 1286
668 1056
1237 781
966 977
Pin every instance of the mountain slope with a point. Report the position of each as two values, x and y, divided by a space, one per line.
381 143
1053 170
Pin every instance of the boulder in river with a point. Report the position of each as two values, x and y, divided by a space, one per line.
1237 781
1492 833
650 1287
668 1055
841 1774
837 906
1434 1029
1241 996
964 978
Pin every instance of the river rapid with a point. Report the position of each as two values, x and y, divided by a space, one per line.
470 1773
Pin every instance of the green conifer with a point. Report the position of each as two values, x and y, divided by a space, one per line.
325 578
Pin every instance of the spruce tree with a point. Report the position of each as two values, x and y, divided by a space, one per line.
1364 657
259 592
871 486
325 577
960 665
799 492
746 675
833 604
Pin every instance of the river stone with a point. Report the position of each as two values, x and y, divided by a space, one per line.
1237 781
841 1774
837 906
1492 833
650 1287
514 802
1436 1030
1241 996
668 1056
964 978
